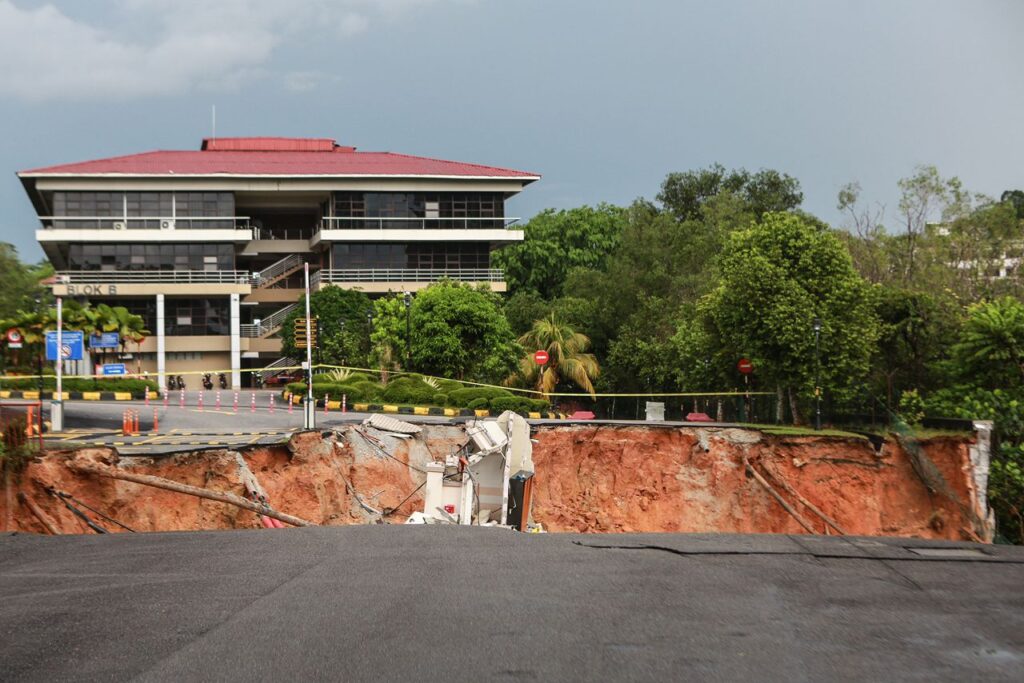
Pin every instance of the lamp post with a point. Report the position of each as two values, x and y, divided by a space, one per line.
341 341
408 333
817 374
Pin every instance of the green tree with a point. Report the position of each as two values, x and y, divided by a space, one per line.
388 340
991 347
567 357
685 195
341 344
1016 199
557 242
20 282
776 278
461 333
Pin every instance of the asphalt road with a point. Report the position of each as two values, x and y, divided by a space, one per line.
468 604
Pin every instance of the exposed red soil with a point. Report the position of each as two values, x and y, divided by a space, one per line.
694 480
589 479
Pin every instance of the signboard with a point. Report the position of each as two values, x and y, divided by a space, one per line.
114 369
14 338
105 340
540 357
71 342
745 366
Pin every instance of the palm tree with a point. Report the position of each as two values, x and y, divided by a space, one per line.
567 357
992 340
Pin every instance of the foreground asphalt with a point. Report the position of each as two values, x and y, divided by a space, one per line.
469 604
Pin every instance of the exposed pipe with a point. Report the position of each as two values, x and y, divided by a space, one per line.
167 484
775 494
38 513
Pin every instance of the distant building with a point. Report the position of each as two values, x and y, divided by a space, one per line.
208 246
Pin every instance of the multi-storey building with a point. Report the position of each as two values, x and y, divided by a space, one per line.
208 246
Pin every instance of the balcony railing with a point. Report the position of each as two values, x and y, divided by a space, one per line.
88 277
388 223
407 275
146 222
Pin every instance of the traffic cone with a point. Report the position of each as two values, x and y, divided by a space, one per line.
252 404
271 403
235 404
327 400
200 401
218 399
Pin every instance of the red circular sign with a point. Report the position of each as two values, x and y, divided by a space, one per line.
14 335
541 357
745 366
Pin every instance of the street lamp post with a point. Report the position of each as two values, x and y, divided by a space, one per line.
408 333
341 342
817 374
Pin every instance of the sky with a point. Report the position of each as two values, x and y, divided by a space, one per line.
601 97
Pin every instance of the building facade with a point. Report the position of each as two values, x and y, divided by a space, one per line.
209 246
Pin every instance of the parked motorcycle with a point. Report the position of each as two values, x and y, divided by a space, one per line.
223 380
176 382
257 380
207 381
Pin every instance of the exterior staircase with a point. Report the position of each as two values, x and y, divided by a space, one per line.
269 325
277 271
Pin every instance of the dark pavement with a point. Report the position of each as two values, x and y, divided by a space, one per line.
408 603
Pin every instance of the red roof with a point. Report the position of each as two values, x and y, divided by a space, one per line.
277 157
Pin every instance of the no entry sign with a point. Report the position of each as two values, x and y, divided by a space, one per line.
14 338
745 366
540 357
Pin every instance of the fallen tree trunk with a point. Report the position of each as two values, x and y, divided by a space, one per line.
167 484
38 513
775 494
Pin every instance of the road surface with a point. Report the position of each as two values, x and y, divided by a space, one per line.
405 603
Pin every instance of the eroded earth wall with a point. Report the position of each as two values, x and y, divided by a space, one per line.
589 478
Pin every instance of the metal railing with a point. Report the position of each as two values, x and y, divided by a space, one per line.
416 223
268 325
407 275
86 277
146 222
275 270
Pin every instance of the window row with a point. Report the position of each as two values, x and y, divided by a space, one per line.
121 207
207 257
417 255
182 317
419 205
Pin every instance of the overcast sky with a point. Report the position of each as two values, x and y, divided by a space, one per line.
603 98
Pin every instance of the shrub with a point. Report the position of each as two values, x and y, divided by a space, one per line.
912 407
440 399
449 385
477 403
513 403
363 390
463 397
408 390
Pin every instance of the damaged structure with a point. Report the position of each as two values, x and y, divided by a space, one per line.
591 478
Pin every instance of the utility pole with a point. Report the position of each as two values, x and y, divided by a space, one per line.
817 374
309 417
408 333
57 404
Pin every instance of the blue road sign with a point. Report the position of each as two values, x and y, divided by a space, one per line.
105 340
72 344
114 369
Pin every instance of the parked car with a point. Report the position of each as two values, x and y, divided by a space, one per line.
285 378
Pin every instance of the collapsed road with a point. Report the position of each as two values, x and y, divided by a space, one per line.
594 477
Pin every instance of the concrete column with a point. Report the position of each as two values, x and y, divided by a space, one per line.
236 343
161 344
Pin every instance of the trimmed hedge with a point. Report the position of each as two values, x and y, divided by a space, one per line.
408 390
463 397
518 404
78 384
